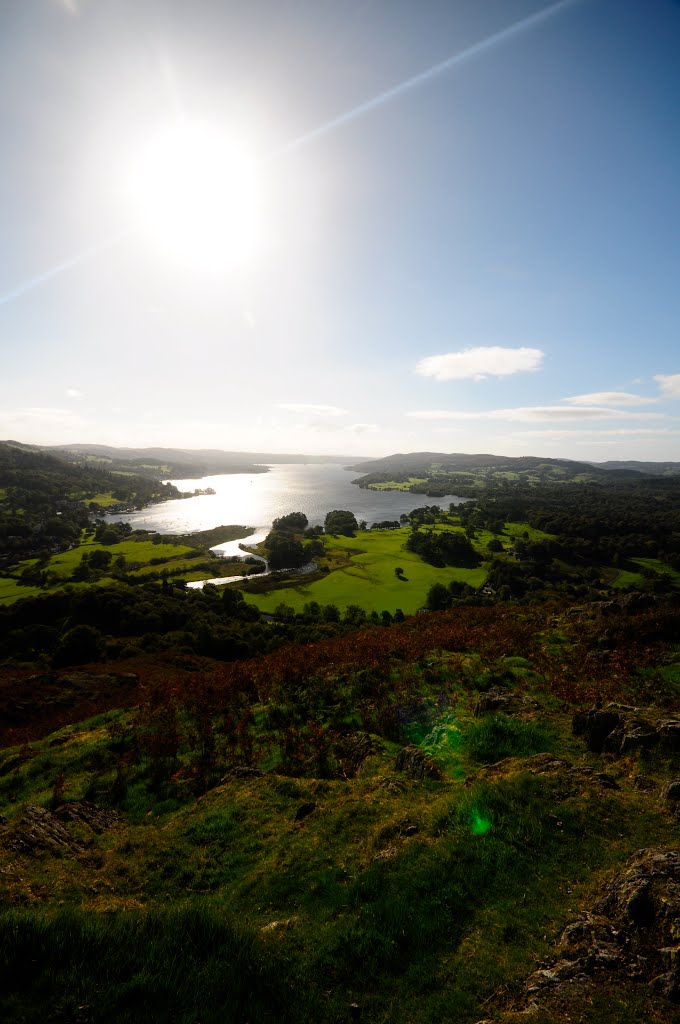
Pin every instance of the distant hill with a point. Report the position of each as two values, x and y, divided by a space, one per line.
32 478
178 463
426 463
650 468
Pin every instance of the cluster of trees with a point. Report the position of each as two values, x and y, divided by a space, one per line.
341 522
292 543
76 626
285 543
441 597
443 547
353 615
593 523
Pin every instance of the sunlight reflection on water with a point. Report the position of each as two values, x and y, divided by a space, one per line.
256 499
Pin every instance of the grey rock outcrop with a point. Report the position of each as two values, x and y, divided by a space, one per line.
618 729
633 927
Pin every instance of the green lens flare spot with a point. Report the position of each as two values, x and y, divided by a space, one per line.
479 823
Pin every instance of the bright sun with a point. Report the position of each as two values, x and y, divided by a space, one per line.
196 195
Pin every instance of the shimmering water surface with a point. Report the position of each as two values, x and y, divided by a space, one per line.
257 499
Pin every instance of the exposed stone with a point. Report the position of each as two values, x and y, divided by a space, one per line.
98 819
392 784
304 810
505 701
36 829
416 764
631 735
243 771
354 750
633 927
570 777
669 734
671 792
618 729
595 726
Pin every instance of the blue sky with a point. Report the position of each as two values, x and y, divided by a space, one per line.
266 226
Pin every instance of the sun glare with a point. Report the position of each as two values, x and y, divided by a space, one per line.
195 194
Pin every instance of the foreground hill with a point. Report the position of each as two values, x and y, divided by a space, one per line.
422 822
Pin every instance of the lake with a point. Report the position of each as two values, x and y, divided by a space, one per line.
256 499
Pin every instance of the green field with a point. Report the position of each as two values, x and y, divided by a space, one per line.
368 580
135 552
654 565
394 485
519 529
11 590
105 499
626 579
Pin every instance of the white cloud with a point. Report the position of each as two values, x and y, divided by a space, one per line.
530 413
249 318
364 428
669 384
620 398
478 363
73 393
313 410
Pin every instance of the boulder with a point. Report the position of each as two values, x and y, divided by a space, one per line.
416 764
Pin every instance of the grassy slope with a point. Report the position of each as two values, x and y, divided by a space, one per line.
422 901
368 580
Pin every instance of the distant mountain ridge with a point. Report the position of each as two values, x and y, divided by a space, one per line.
173 462
419 462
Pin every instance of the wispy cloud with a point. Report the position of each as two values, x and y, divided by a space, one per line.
623 432
535 413
312 410
616 398
669 384
73 393
37 419
364 428
481 362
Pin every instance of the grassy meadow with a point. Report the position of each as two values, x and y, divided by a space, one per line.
364 575
180 557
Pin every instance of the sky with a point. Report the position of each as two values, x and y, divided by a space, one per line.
357 227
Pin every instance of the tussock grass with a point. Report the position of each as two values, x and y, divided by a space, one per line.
181 963
498 736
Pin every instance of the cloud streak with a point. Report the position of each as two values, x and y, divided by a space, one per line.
312 410
615 398
481 362
535 413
